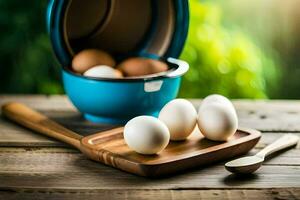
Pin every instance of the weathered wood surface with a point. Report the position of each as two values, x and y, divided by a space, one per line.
177 194
55 168
36 167
270 116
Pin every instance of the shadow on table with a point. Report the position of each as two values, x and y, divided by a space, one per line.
239 179
76 122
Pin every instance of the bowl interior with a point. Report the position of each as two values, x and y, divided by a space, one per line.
119 26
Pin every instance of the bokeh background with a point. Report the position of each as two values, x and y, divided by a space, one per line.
238 48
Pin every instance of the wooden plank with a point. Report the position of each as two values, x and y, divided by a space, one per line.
267 138
263 115
43 168
10 157
267 115
40 102
14 135
195 151
21 167
18 159
55 159
253 105
96 176
276 193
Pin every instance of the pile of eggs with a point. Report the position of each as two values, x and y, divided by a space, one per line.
99 64
216 119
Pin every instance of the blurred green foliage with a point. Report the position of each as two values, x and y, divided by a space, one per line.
27 61
223 60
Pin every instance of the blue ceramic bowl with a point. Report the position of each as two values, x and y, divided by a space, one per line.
148 28
116 101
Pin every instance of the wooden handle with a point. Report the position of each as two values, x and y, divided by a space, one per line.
285 141
38 122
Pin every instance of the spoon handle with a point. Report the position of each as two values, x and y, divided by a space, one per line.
38 122
285 141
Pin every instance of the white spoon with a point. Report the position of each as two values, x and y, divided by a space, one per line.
250 164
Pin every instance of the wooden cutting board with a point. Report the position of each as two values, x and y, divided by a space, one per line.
109 147
196 151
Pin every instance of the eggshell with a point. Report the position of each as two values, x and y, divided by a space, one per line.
217 98
103 71
146 135
141 66
217 121
89 58
180 116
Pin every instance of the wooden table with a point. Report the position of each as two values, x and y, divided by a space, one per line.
35 167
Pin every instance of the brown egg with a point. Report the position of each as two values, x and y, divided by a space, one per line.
119 74
141 66
88 58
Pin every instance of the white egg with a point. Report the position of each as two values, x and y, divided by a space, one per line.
217 121
180 116
103 71
216 98
146 135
